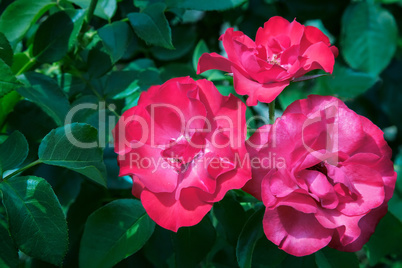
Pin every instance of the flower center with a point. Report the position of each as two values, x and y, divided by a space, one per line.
180 154
274 60
320 167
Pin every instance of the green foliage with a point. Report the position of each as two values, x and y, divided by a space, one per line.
358 83
248 238
385 240
36 220
369 35
52 38
192 244
103 246
70 68
6 51
20 16
329 258
116 37
44 91
9 251
8 82
151 25
13 151
209 5
75 147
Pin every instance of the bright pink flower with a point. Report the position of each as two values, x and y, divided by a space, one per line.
183 145
281 52
324 175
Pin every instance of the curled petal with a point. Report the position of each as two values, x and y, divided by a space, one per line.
295 232
170 213
279 26
319 56
213 60
256 91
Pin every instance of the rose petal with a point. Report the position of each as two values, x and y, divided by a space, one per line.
370 187
311 36
295 232
319 56
209 61
172 214
279 26
256 91
152 170
347 227
234 43
367 224
320 186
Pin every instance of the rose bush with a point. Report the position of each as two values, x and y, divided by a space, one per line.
333 183
183 145
281 52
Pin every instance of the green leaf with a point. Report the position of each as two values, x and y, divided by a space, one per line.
121 82
116 37
90 198
20 61
209 5
37 222
9 251
191 244
184 38
105 9
95 113
200 49
13 151
344 83
159 248
152 26
75 147
267 254
173 70
248 238
77 16
7 104
20 15
8 82
293 92
114 232
99 63
369 37
395 204
52 38
6 52
332 258
46 93
232 217
385 240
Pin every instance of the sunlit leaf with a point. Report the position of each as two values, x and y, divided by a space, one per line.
151 25
114 232
75 147
369 37
13 151
37 222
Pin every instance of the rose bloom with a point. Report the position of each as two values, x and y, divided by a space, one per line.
333 182
183 145
281 52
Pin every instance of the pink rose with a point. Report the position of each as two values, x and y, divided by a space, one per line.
324 174
281 52
183 145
